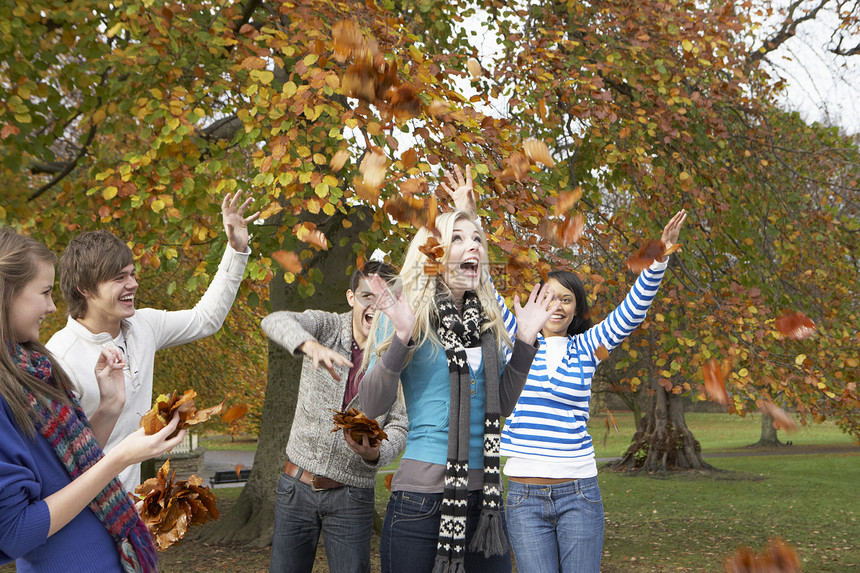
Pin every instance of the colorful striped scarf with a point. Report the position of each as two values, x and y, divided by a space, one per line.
68 431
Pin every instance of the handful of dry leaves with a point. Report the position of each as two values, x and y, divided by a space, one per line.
165 406
169 508
358 425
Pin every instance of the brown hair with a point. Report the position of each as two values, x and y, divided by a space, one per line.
90 259
19 258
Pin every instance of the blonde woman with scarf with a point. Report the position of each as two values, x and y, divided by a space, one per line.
443 340
61 506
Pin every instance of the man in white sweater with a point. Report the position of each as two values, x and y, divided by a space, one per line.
97 278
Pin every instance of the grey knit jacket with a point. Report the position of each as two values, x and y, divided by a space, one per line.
312 444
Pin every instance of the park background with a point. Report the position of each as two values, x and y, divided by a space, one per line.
587 125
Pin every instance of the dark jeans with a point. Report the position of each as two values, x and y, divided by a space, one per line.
411 529
344 515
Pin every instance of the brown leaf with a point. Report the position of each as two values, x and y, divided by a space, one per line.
537 151
438 108
288 260
309 233
414 186
779 557
795 325
781 420
645 256
347 38
406 209
360 81
601 353
358 425
338 160
567 200
569 230
714 376
388 478
404 102
166 406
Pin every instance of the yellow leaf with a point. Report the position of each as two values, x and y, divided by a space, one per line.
99 115
687 45
157 205
109 192
328 209
263 76
113 30
800 358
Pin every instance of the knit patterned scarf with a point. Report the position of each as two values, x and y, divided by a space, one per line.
457 334
68 432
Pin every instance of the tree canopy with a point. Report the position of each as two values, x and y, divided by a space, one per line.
138 115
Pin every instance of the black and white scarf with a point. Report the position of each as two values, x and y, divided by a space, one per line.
456 334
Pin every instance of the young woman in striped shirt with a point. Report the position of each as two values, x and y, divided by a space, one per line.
554 510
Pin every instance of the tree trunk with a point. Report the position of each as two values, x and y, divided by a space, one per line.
663 442
251 520
769 438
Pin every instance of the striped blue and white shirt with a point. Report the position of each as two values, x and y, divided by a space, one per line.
546 435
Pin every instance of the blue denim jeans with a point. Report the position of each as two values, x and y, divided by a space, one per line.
411 529
344 515
556 528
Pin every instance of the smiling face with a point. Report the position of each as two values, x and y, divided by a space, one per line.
363 303
112 302
32 304
561 318
462 271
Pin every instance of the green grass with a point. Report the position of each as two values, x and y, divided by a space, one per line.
715 432
692 523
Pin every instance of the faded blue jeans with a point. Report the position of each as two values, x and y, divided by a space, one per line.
411 529
556 528
344 515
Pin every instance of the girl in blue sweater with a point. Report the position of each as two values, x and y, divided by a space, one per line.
553 508
61 508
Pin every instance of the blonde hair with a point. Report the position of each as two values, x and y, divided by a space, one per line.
19 258
422 290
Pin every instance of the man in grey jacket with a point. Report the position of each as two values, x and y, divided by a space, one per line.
328 481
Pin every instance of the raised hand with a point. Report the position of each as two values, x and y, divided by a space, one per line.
673 228
537 310
235 222
461 191
395 307
324 355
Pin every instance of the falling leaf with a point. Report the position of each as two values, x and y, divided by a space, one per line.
645 256
238 469
781 420
714 376
414 186
438 108
309 233
537 151
373 167
515 266
795 325
779 557
406 209
359 425
348 40
288 260
388 478
567 200
569 230
169 508
360 81
339 160
601 353
404 102
672 249
234 412
166 406
474 68
519 165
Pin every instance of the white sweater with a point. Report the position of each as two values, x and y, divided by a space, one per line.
147 331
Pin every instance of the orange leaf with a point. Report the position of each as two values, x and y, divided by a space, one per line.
438 107
348 40
373 168
538 152
288 260
413 186
404 101
388 478
601 353
234 412
567 200
569 231
432 249
714 376
239 471
781 420
358 425
795 325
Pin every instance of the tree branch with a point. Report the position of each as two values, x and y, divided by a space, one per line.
788 29
70 166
